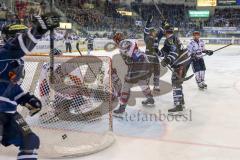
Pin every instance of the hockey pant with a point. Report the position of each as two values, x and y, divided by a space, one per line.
156 69
156 73
14 130
68 47
199 68
178 96
125 92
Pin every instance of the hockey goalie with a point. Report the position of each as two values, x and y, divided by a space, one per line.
73 96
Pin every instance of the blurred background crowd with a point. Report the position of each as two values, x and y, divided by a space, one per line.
102 18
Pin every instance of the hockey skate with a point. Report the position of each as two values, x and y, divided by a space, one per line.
204 85
201 86
118 113
178 110
148 101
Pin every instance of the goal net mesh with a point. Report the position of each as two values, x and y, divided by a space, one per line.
76 116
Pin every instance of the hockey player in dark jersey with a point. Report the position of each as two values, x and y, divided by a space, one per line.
152 38
13 128
177 57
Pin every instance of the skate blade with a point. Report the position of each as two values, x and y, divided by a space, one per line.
148 105
179 113
119 116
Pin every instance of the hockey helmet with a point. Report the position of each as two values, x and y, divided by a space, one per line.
168 28
152 31
10 31
196 33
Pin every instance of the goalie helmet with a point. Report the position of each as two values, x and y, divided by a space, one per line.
118 37
11 31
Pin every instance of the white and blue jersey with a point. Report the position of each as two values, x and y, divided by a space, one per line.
196 48
10 60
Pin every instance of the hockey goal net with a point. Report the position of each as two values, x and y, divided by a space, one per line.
76 117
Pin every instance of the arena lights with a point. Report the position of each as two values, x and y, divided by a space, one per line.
65 25
206 3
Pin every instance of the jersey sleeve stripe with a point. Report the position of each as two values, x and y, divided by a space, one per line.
30 35
4 99
22 45
19 96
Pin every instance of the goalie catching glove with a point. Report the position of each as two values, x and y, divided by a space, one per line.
208 52
31 102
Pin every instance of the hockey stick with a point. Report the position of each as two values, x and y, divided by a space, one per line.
179 77
223 47
51 56
159 11
77 46
220 48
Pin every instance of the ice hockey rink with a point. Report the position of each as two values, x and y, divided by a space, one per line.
210 133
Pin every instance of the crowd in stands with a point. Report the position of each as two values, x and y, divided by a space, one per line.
105 16
227 17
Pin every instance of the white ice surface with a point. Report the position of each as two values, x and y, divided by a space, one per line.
211 135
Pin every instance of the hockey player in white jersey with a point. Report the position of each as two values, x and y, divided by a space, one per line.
139 71
197 49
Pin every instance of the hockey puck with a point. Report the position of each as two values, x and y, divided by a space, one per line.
64 136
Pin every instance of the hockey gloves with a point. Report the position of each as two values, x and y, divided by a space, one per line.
31 102
47 22
150 19
208 52
165 62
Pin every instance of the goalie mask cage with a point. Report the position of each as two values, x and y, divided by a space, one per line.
76 118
